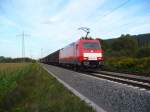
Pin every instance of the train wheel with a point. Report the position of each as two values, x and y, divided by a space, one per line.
75 68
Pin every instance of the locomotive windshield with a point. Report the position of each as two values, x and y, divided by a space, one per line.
92 45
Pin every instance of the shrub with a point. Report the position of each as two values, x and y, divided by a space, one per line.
135 65
143 52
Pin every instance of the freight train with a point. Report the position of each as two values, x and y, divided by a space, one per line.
84 53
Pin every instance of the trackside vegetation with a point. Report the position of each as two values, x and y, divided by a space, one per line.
29 88
128 53
129 65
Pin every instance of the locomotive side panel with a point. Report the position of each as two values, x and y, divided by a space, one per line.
67 55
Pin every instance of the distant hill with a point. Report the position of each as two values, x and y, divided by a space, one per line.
142 39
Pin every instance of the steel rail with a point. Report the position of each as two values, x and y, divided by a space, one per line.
123 80
126 76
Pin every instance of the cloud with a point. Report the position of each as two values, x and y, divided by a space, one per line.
79 9
52 24
5 21
121 21
64 23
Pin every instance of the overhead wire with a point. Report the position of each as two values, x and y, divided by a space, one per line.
113 10
116 8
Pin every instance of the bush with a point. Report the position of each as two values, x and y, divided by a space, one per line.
143 52
124 64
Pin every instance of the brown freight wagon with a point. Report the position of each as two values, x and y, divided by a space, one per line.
52 58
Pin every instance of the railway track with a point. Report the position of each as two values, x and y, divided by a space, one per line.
136 81
141 82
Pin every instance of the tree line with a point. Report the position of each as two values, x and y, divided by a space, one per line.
127 46
15 60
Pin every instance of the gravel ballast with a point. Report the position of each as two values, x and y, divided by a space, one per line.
111 96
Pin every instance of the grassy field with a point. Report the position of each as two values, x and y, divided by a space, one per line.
29 88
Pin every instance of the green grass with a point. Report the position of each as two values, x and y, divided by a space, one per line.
29 88
9 75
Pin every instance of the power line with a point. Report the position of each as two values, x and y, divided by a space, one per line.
23 35
41 52
31 54
113 10
116 8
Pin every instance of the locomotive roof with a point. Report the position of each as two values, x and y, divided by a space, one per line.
88 40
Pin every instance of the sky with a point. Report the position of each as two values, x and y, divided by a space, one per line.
52 24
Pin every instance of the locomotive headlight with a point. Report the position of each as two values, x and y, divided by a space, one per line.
99 58
85 58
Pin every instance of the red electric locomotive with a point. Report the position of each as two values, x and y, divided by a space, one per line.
83 53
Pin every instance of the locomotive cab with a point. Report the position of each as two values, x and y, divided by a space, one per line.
91 53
